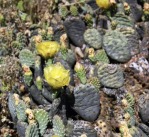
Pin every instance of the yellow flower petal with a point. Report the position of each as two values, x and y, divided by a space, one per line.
105 4
56 75
48 48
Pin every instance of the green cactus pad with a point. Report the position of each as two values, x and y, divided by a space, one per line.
42 118
93 38
82 76
58 126
32 131
74 10
95 82
27 58
116 46
130 99
20 109
28 77
122 21
63 11
110 75
100 55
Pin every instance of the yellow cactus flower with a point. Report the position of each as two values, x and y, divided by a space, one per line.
56 75
105 4
48 49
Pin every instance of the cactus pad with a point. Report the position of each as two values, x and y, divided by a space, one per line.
28 76
21 128
87 101
110 75
95 82
133 39
12 107
116 46
74 10
20 109
122 21
75 29
32 131
27 57
63 11
42 118
100 55
58 126
93 38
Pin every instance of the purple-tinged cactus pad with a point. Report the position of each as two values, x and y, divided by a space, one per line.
87 102
75 29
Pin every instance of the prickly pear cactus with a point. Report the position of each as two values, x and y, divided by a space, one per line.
137 132
110 75
130 106
20 110
68 55
27 57
12 106
58 126
27 76
63 11
130 99
122 21
38 73
95 82
21 128
32 131
73 10
22 39
99 55
80 72
87 101
133 40
75 29
42 118
71 59
116 46
93 38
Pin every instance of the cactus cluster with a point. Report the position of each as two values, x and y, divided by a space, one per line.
31 123
72 66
